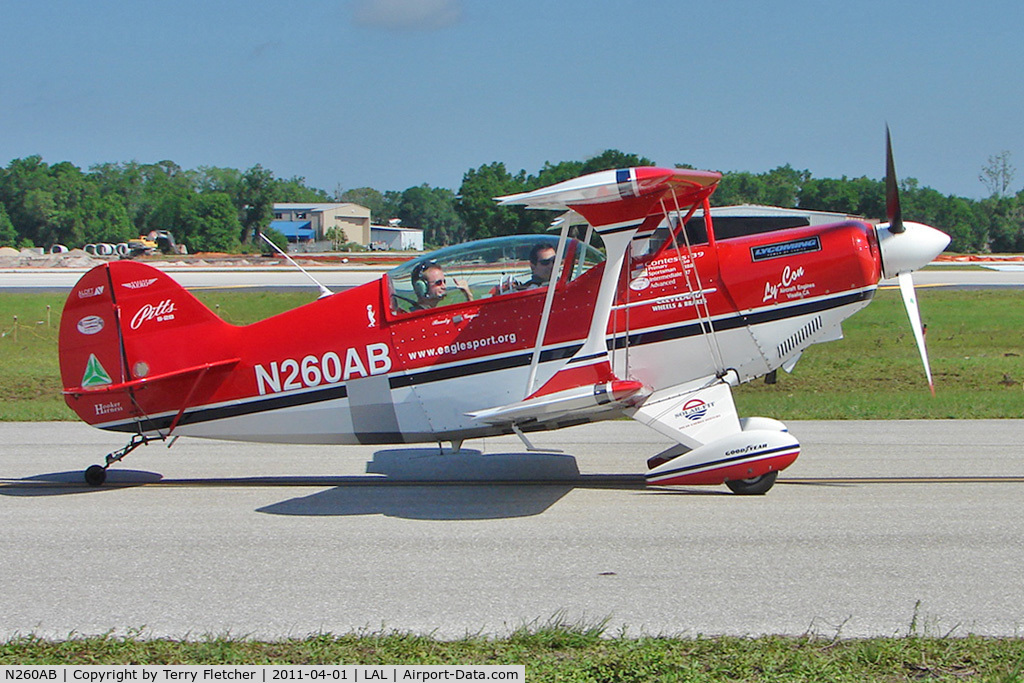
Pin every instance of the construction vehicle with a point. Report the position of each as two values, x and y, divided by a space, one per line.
161 240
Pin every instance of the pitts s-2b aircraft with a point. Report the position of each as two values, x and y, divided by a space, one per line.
506 335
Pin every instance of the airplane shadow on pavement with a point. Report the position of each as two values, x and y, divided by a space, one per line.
71 483
425 483
408 483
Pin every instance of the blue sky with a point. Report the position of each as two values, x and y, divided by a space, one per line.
395 93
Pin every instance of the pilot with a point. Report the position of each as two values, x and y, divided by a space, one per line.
542 263
428 282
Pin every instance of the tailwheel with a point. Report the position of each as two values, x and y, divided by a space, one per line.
755 486
95 475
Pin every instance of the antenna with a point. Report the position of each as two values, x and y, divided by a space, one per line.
323 290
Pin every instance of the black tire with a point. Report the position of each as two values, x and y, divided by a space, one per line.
755 486
95 475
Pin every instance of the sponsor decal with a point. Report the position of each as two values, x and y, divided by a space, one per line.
683 300
664 272
788 286
457 347
640 284
695 409
311 371
371 317
108 408
91 291
90 324
95 375
161 312
750 448
139 284
780 249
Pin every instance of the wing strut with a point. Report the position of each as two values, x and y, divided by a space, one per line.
548 300
700 302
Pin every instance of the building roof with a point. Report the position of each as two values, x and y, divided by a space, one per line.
313 206
394 228
300 229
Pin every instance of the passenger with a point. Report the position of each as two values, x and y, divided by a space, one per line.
428 282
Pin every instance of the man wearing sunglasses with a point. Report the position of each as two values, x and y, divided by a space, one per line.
429 284
542 263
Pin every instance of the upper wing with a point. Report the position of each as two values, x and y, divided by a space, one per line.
616 186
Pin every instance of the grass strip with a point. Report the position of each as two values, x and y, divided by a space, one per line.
574 653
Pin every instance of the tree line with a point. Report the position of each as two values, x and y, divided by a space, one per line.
224 209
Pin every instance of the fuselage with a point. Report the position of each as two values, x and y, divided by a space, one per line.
365 366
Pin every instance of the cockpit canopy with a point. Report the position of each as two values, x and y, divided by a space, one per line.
489 267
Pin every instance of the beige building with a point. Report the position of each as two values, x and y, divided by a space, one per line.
313 222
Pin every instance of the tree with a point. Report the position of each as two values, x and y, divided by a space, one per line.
256 201
8 235
556 173
433 209
215 179
211 223
295 190
830 194
739 188
104 219
613 158
383 206
162 183
476 205
784 185
1001 220
125 181
997 174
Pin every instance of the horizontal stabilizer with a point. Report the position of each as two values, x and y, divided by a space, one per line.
179 390
154 381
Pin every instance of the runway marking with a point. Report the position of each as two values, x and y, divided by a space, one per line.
1009 479
585 481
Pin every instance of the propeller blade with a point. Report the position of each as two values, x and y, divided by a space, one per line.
892 190
906 281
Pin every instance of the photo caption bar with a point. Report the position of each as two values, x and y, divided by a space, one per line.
264 673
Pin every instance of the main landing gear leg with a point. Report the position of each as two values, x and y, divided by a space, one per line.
95 475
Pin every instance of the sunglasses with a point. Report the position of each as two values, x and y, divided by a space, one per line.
437 283
546 261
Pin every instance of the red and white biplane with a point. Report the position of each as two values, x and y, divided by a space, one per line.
506 335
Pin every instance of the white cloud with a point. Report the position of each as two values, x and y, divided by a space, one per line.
414 15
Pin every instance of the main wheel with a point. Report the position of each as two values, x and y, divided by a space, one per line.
755 486
95 475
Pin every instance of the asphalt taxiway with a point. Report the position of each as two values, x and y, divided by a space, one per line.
877 527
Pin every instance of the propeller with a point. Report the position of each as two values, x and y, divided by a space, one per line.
906 247
906 281
892 190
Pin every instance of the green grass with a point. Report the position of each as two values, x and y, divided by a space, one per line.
576 653
976 348
975 342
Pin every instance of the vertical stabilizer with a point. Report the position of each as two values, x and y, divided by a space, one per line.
134 343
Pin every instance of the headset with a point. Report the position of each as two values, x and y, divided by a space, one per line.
420 286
